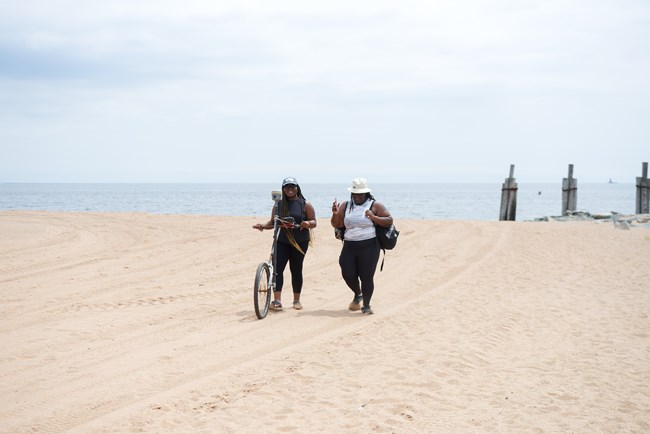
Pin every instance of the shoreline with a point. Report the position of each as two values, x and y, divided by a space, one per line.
572 216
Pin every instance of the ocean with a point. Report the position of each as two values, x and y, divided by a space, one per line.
418 201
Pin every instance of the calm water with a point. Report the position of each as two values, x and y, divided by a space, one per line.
422 201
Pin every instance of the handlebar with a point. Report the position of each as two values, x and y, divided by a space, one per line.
287 222
280 222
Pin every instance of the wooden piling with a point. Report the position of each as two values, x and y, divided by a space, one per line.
569 192
509 197
643 191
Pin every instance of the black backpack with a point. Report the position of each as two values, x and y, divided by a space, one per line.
386 237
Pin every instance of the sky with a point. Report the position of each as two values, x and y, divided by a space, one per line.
253 91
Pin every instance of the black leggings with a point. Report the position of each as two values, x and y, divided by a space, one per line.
358 263
287 253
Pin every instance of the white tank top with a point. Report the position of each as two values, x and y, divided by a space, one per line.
358 227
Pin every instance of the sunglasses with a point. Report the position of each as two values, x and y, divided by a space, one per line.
291 186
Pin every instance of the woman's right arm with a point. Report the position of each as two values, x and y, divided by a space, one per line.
338 214
267 225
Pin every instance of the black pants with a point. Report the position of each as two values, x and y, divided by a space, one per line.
286 253
358 263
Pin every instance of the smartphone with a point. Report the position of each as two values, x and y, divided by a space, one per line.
276 195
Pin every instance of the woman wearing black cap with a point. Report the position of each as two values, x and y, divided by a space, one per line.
292 243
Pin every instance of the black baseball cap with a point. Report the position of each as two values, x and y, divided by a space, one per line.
289 181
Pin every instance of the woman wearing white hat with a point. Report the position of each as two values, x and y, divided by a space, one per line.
292 243
360 252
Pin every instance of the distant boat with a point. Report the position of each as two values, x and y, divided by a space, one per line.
610 181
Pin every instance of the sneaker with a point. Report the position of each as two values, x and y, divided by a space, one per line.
366 310
276 305
297 305
355 304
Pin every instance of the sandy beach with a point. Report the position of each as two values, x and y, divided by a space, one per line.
128 323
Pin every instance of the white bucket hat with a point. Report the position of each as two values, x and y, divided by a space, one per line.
359 185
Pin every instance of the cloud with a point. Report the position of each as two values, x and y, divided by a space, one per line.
447 83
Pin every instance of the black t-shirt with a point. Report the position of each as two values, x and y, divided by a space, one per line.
296 210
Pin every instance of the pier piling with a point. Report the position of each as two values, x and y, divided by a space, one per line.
509 197
569 192
643 191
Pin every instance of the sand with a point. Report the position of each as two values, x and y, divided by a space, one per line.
127 323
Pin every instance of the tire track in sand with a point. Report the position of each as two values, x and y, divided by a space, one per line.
194 348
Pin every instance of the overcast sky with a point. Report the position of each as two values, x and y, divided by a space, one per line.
253 91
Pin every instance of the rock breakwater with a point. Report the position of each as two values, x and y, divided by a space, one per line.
620 221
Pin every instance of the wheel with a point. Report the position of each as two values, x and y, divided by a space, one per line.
261 292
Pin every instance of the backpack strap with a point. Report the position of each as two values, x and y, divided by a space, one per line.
381 267
345 210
